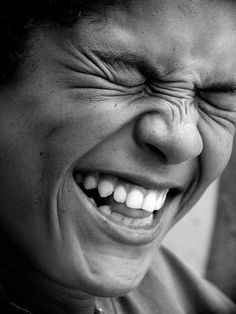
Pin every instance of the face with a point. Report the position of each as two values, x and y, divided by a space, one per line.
112 120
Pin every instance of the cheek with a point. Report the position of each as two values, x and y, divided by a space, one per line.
78 130
20 155
217 147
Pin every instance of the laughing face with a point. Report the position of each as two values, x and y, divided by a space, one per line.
113 131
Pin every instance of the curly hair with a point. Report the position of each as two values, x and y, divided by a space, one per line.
19 19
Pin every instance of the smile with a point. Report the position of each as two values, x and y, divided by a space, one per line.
122 202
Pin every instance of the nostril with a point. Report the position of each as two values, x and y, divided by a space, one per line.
155 150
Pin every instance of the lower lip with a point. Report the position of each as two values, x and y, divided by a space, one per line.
122 233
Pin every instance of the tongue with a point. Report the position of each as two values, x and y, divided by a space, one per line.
126 211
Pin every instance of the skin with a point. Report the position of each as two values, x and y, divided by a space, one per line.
150 121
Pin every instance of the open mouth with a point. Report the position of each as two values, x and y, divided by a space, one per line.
122 202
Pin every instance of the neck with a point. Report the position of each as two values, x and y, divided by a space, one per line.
35 292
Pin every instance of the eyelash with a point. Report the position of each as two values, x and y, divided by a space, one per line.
201 98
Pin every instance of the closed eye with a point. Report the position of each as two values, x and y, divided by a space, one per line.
219 88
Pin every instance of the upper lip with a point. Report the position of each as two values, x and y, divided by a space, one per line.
136 179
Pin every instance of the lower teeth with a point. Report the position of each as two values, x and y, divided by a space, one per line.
92 201
128 221
106 211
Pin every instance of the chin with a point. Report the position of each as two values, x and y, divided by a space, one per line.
114 284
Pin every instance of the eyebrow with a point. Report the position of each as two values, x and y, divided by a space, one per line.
128 59
110 57
134 60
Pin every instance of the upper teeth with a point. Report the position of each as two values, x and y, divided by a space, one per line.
133 196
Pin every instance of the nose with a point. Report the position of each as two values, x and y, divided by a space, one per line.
174 140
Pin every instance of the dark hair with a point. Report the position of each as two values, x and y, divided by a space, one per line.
19 18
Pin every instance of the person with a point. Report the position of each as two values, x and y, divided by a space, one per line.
115 116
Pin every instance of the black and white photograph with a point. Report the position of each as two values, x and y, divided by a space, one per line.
117 157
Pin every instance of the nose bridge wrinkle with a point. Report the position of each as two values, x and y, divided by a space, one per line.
180 110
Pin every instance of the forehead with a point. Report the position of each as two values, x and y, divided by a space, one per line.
170 35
